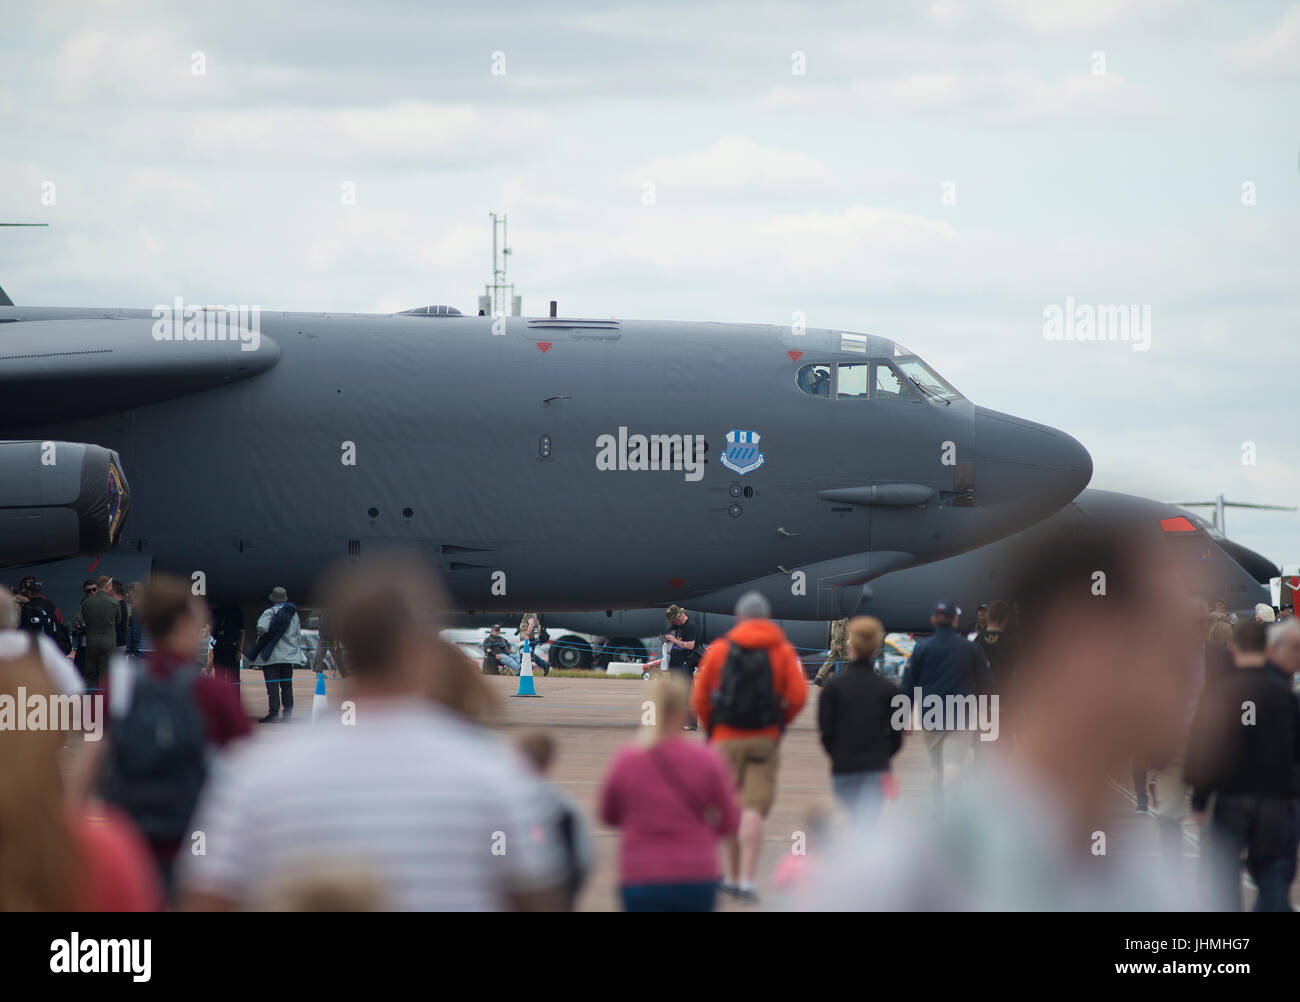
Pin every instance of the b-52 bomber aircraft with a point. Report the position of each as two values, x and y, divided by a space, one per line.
541 461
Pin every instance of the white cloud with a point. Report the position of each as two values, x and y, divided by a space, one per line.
1272 52
1070 15
1001 96
732 165
413 131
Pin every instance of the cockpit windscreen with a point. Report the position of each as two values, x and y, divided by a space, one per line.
927 380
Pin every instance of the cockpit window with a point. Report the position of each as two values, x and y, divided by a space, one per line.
815 379
852 381
927 380
872 380
889 386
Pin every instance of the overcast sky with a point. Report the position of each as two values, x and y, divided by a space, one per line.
940 174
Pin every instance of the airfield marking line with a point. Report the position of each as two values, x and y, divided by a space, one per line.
1133 798
1195 840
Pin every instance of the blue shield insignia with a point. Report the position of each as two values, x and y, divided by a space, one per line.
741 453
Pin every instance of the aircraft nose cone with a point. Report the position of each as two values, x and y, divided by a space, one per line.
1023 462
1255 564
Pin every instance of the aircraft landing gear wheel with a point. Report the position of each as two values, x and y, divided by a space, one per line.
623 649
570 653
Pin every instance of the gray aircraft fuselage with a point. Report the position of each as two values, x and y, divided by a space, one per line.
341 434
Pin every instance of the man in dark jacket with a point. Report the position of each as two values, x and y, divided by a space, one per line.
123 624
1244 748
493 644
854 715
998 642
228 637
33 589
948 671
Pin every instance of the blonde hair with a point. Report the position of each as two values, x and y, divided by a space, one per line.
1220 634
333 886
538 748
669 693
866 634
40 862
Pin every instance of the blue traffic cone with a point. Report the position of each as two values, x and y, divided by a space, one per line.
319 704
526 672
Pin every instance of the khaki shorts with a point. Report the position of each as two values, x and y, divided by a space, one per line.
753 763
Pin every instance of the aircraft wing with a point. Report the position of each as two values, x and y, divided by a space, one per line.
70 368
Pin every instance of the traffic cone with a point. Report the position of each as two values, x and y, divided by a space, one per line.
526 672
319 704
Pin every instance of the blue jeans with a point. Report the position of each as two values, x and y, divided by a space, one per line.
513 660
862 794
669 897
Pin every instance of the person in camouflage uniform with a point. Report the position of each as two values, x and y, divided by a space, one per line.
530 629
839 651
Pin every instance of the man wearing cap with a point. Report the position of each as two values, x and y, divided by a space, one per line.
277 652
946 665
497 651
684 636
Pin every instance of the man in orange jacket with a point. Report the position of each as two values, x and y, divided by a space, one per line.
749 686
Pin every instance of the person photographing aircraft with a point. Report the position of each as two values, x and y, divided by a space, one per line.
683 638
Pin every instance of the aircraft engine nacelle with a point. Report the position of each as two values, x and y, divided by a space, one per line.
59 500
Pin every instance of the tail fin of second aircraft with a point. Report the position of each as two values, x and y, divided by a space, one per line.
4 299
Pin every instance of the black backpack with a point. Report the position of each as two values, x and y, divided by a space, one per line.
746 697
37 618
157 755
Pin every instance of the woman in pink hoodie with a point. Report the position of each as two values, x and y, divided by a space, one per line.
672 799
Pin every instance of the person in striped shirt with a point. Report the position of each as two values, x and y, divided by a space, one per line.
440 813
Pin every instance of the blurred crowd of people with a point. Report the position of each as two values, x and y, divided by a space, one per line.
409 798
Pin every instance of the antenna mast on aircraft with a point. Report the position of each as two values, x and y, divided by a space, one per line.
493 302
